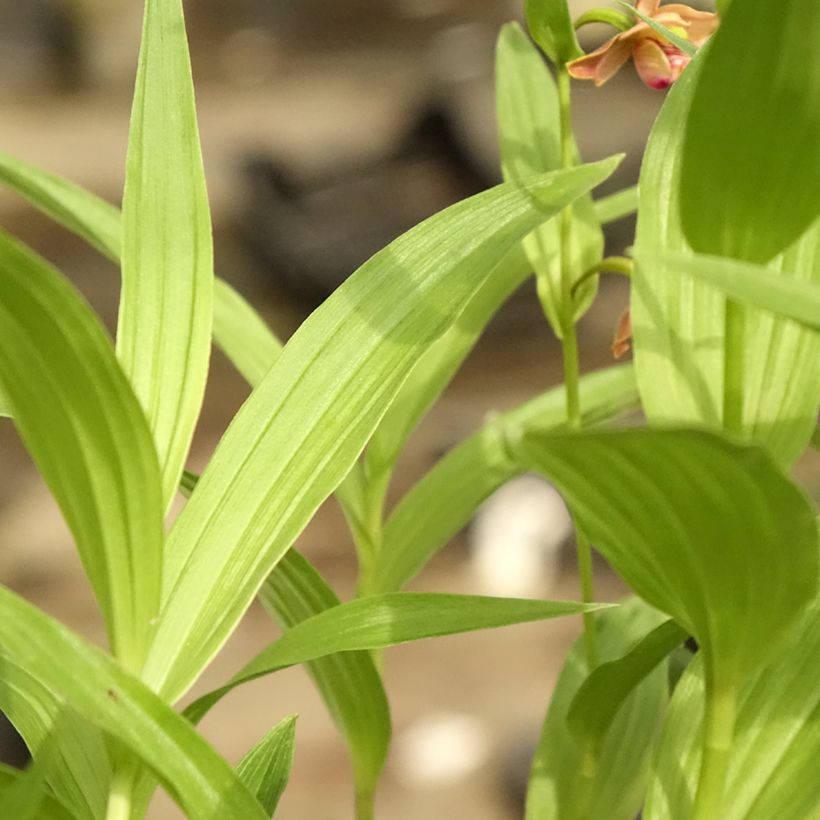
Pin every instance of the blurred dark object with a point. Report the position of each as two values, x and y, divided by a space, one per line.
13 751
309 235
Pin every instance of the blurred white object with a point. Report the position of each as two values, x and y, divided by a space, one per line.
440 749
516 537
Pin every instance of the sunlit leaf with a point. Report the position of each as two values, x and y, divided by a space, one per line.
445 499
682 352
166 306
529 133
304 426
265 769
757 104
87 434
105 695
560 786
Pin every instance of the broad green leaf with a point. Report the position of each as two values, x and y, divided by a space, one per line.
681 347
379 621
757 103
444 500
560 788
166 306
26 788
79 771
265 769
105 695
304 426
348 682
601 695
755 285
529 133
551 27
616 206
708 531
773 767
237 328
87 434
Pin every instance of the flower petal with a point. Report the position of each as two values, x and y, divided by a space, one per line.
604 62
648 6
653 65
699 25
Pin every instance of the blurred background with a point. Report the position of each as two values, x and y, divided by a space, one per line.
329 127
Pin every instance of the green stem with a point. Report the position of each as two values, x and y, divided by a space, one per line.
718 731
365 808
733 369
120 793
612 264
571 356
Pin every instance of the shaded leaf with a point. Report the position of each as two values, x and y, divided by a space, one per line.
24 799
265 769
551 27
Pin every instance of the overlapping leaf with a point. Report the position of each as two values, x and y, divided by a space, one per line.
679 323
550 24
166 306
87 434
265 769
24 798
304 426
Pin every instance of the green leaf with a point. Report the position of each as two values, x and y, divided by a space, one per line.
105 695
559 786
682 349
79 771
379 621
755 285
166 307
773 767
529 132
348 682
708 531
445 499
23 796
305 425
265 769
87 434
551 27
616 206
601 695
757 101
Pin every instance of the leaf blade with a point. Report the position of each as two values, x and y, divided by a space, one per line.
265 769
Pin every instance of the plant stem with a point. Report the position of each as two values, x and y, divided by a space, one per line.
718 731
120 793
733 369
365 809
571 356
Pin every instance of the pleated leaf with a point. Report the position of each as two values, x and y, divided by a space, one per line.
679 323
529 133
559 785
710 532
757 104
105 695
773 766
265 769
445 499
87 434
380 621
304 426
166 306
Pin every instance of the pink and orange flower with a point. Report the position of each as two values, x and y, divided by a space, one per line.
658 61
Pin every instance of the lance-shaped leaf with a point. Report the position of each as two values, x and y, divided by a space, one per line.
166 307
23 796
265 769
551 27
758 286
87 434
445 499
757 101
562 784
708 531
682 349
379 621
104 694
529 133
304 426
773 768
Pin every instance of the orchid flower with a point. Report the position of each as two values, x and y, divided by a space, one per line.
658 62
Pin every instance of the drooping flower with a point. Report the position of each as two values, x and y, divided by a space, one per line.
622 338
658 61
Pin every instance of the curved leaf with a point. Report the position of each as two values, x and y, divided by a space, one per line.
87 434
379 621
104 694
551 27
304 426
445 499
265 769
